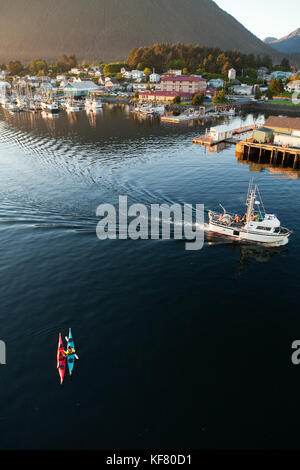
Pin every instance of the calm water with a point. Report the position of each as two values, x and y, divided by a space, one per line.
177 349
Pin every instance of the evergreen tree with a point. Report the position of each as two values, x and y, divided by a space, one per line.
177 100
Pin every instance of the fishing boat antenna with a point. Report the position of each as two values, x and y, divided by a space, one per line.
261 201
223 209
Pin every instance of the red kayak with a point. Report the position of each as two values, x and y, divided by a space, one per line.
61 359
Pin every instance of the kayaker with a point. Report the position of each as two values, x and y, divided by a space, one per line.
62 355
70 351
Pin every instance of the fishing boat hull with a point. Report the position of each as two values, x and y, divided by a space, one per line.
72 109
71 357
243 235
61 363
50 108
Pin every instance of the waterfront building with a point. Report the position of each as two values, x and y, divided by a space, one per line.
183 83
262 135
80 88
282 131
155 95
284 125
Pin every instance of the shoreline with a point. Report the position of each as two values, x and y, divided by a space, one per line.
271 108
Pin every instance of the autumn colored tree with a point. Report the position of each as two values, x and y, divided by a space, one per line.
38 65
198 99
276 86
220 97
147 73
14 67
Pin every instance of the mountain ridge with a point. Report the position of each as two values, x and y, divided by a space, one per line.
288 44
109 29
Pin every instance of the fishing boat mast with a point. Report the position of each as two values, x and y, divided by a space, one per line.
250 202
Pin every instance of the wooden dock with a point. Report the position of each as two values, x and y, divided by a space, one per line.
208 141
250 151
205 140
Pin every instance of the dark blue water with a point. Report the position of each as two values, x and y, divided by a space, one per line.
177 349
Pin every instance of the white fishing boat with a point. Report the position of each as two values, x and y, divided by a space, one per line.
50 106
256 226
4 100
72 107
14 108
93 104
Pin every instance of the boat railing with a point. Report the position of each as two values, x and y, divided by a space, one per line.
285 231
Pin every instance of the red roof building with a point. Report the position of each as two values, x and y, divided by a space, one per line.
183 83
164 95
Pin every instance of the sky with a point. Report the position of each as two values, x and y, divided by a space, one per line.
265 18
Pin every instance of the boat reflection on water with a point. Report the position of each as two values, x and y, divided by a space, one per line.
49 115
248 251
259 253
92 116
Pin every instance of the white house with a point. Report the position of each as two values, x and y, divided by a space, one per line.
262 72
137 74
154 78
244 90
75 71
175 72
139 86
111 83
232 74
293 86
3 74
133 74
216 83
